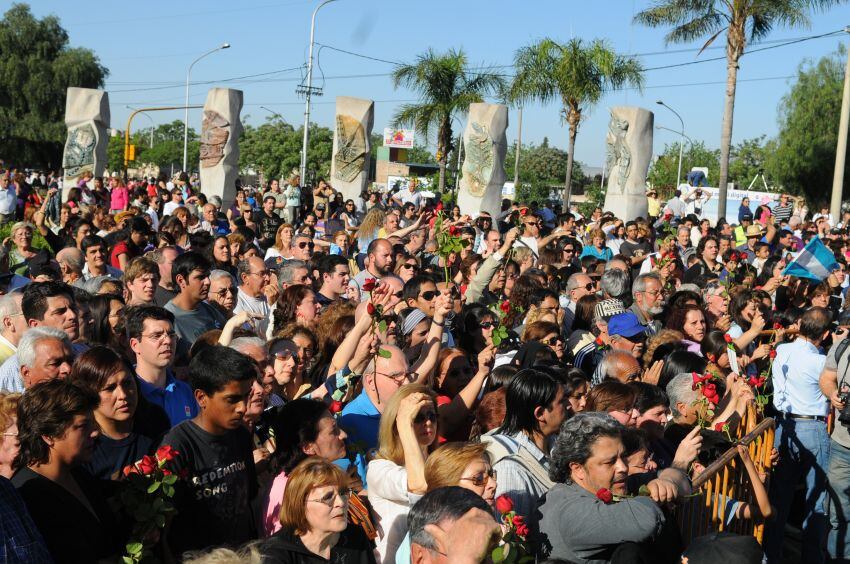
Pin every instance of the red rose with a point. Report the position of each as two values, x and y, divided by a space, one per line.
454 230
599 342
727 337
523 212
668 215
709 389
166 472
605 495
777 325
522 530
712 398
370 308
165 452
505 306
504 504
368 285
336 406
719 426
130 470
755 382
518 520
772 353
147 465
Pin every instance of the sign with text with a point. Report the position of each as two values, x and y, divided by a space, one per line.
398 138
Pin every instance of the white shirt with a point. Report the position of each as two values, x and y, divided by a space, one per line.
414 198
8 200
110 271
391 503
170 207
260 306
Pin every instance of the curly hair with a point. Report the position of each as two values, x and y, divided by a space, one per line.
663 337
288 302
576 439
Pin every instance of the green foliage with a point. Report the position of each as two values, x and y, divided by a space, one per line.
167 147
446 86
804 160
662 173
274 149
748 158
38 241
36 68
541 171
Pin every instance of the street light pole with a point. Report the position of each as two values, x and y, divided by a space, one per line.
275 114
681 142
186 115
690 141
150 118
309 93
841 148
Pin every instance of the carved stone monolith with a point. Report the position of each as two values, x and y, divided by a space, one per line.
484 147
87 119
352 148
628 156
220 132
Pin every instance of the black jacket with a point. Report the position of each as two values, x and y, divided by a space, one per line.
285 548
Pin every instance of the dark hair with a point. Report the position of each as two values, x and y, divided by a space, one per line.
93 368
737 304
47 410
576 439
92 241
767 270
135 316
449 503
678 362
287 303
186 263
585 310
101 331
327 265
471 317
634 440
528 390
214 367
678 315
294 425
714 344
413 286
648 396
34 301
611 395
815 322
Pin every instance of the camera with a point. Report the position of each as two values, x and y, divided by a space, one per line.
844 414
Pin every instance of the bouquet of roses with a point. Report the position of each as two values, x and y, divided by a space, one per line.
708 397
448 242
514 547
150 487
758 382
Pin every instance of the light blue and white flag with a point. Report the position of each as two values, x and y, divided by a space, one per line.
815 261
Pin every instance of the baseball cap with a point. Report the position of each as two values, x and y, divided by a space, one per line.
626 325
606 309
274 263
724 548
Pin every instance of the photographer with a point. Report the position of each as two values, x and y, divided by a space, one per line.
835 385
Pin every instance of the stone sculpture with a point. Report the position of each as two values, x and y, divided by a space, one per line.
87 118
352 147
483 170
220 132
628 156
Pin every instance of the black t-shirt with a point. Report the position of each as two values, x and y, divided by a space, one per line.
213 500
641 248
110 456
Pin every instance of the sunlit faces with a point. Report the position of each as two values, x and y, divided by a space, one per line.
604 468
119 397
479 477
59 314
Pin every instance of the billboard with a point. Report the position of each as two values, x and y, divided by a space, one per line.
398 138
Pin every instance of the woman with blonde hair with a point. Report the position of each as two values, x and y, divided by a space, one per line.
282 243
22 249
9 445
407 431
368 230
314 519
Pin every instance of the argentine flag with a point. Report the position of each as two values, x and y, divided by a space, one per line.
815 261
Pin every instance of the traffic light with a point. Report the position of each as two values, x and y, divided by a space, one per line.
131 153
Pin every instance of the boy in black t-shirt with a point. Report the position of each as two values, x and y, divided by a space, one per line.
216 461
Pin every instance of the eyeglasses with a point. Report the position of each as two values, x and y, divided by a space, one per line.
589 286
570 250
422 417
261 273
398 377
161 336
481 479
534 223
552 341
285 354
304 244
411 266
221 293
399 294
428 295
330 497
488 324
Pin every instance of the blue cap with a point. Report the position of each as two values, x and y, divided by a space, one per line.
626 325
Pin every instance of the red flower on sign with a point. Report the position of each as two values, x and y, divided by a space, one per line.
504 504
605 495
368 285
336 406
727 337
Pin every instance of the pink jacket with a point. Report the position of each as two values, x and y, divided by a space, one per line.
120 198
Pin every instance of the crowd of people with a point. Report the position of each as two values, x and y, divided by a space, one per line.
387 379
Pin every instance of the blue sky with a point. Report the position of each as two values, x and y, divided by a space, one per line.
148 46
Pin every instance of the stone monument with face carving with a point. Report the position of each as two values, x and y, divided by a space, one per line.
87 119
628 156
352 148
483 170
220 131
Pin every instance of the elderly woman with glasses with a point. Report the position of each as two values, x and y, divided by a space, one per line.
407 431
315 519
22 250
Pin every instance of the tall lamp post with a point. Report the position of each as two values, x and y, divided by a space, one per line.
308 94
153 125
841 147
681 142
186 115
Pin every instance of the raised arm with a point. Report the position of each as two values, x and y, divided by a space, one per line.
424 366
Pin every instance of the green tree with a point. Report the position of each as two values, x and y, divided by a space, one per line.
167 147
446 86
36 68
749 158
743 21
540 170
663 172
576 74
804 160
274 149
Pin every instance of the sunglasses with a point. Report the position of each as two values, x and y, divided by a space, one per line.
304 244
569 250
589 286
428 295
553 341
422 417
488 324
410 266
480 479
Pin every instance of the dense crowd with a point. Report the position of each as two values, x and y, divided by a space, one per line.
303 378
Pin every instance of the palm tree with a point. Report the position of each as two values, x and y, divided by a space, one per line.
742 20
578 75
445 86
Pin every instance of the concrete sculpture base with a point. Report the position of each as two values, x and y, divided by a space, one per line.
352 147
483 170
628 156
220 131
87 118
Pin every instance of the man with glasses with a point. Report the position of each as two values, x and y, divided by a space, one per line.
421 292
335 275
8 200
382 378
716 306
255 292
152 339
579 285
302 247
648 295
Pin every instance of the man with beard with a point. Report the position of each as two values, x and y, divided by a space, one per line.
379 263
648 301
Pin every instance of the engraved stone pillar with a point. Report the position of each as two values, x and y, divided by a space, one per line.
87 119
628 155
484 147
220 131
352 147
